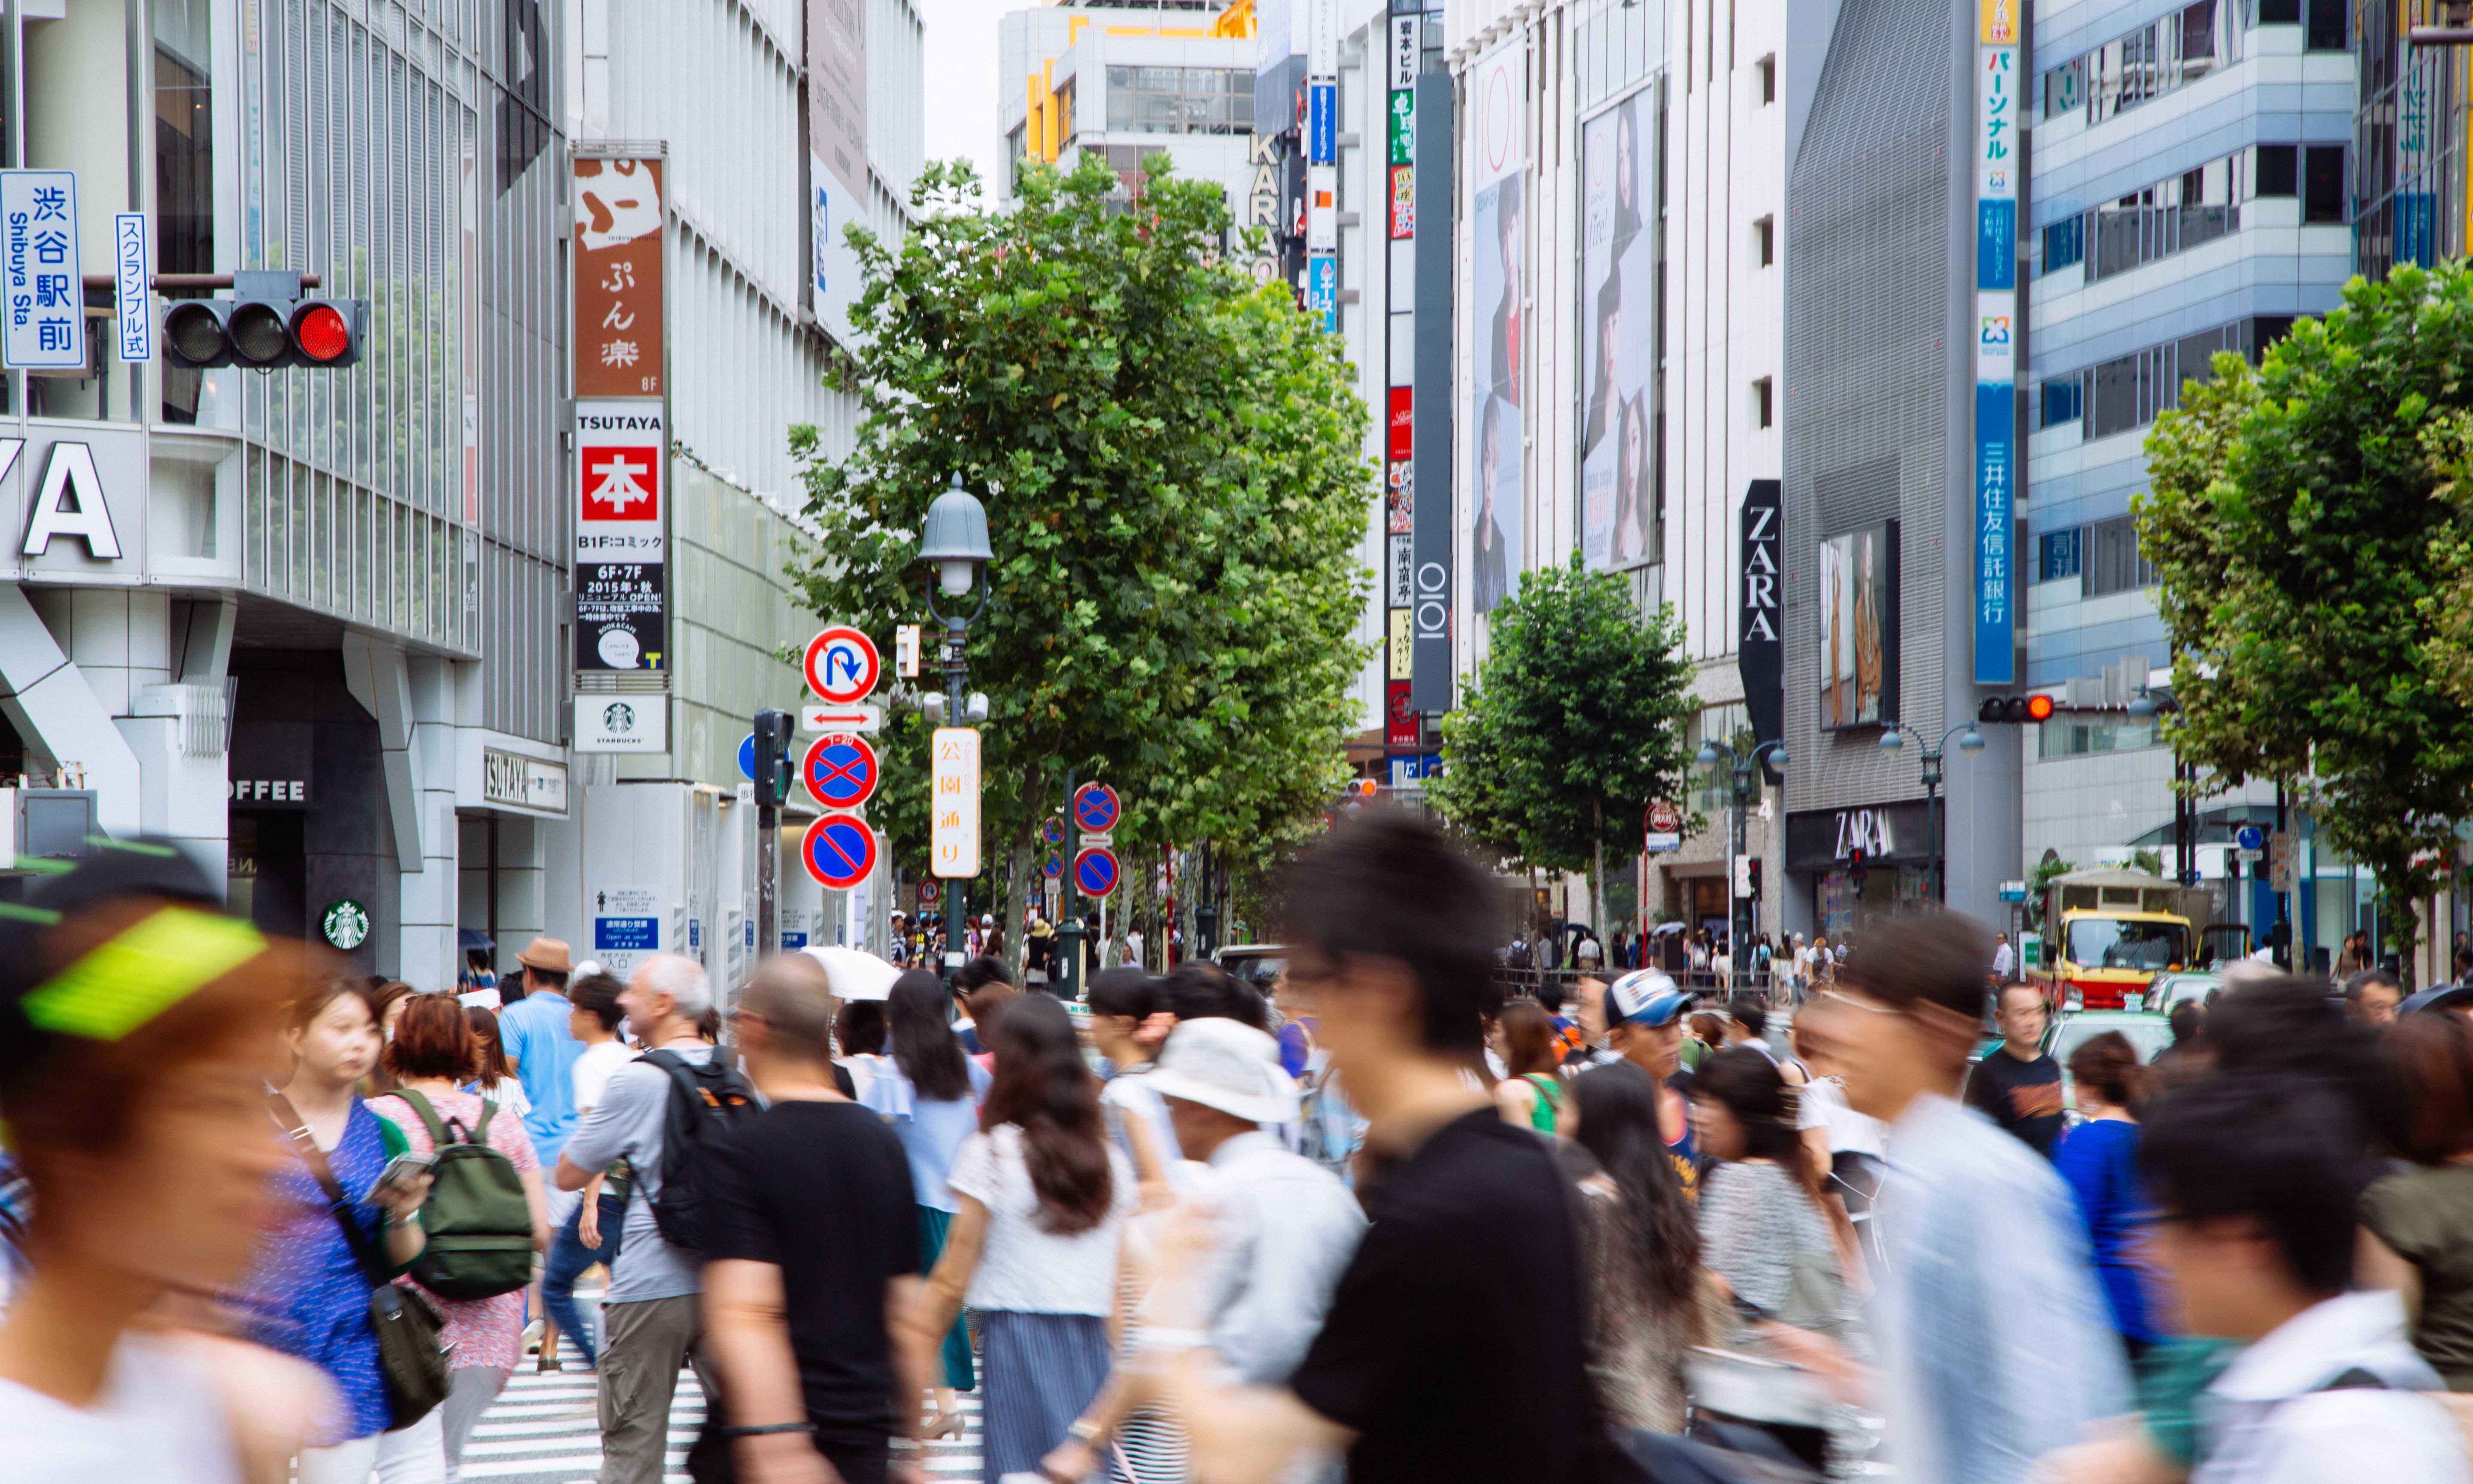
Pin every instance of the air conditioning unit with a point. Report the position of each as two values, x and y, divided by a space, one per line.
43 824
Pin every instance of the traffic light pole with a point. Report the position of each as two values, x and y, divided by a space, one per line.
772 770
1069 939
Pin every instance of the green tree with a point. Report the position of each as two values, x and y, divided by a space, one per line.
1170 459
2301 557
1572 726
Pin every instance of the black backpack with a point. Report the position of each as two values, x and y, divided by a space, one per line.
707 1099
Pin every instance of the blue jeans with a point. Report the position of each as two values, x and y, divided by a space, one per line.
568 1257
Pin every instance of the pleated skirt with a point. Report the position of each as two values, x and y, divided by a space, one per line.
1042 1372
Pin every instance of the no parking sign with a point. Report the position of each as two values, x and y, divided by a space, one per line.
1095 871
839 850
840 771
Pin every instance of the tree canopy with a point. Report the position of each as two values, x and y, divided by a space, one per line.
2303 547
1171 461
1570 729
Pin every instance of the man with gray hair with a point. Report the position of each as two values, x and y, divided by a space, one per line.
649 1317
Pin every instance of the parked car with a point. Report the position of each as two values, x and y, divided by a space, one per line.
1258 964
2170 990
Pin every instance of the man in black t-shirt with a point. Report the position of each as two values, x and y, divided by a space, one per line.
1453 1346
2018 1086
812 1244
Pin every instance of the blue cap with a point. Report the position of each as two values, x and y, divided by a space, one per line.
1645 996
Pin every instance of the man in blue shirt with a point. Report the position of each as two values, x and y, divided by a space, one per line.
544 1050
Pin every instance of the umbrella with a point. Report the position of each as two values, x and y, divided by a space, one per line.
1665 929
856 975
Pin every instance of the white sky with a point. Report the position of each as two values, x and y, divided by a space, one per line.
962 81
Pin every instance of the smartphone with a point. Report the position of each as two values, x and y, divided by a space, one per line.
402 1168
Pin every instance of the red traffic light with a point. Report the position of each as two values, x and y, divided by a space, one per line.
264 333
2039 709
2014 709
321 332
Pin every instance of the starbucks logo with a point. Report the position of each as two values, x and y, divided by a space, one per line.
347 924
618 717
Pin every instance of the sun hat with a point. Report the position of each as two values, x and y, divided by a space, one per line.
546 954
1226 1064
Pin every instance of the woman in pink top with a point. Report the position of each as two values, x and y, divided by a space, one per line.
434 1049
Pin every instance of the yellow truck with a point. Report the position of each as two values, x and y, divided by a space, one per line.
2108 933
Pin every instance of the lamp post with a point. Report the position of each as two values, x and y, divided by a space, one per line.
1747 769
1969 740
954 544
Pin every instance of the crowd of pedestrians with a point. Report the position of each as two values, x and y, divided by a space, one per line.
265 1221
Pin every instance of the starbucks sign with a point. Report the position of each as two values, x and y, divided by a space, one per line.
346 925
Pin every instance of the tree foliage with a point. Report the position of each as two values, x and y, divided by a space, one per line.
1574 726
2303 545
1170 460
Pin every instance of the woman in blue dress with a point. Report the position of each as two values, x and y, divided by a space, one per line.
2098 1157
307 1295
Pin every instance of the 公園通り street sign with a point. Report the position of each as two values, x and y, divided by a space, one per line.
953 802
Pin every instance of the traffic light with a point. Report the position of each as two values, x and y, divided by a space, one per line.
1363 788
772 764
2015 708
265 325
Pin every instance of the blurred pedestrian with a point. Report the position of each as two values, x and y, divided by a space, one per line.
1531 1094
2099 1159
591 1233
1647 1298
1043 1200
496 1078
2018 1084
139 1028
2371 997
2255 1183
1996 1345
859 1033
1764 1230
932 1097
542 1046
1643 1015
1123 1004
1039 964
434 1050
2187 1055
812 1249
1453 1346
2423 1213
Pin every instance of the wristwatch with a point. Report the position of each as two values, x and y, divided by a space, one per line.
1086 1432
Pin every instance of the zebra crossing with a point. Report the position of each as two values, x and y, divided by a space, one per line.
545 1429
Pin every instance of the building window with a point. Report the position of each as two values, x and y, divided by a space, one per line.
2064 243
1731 725
2330 27
1180 101
2278 170
2056 555
2113 561
2322 183
1768 78
2174 215
2127 391
1764 240
2075 735
2155 59
2063 402
1761 403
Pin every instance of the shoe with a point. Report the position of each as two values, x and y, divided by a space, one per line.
549 1363
533 1338
946 1424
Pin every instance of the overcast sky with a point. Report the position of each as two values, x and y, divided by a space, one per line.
962 80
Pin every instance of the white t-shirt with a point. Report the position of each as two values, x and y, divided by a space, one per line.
1025 1268
160 1420
592 1068
1822 1105
1129 1095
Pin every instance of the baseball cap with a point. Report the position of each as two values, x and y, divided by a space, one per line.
1645 996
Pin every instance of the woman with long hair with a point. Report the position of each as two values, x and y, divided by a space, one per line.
435 1057
1043 1197
1763 1222
2099 1159
1531 1094
1649 1294
137 1030
929 1090
2424 1213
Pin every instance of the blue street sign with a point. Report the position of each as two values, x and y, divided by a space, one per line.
1054 869
2250 837
839 850
1095 807
840 771
1095 871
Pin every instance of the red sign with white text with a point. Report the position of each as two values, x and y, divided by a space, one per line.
1401 431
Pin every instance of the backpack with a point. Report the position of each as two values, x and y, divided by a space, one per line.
480 1226
707 1099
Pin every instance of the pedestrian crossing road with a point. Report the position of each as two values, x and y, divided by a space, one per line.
543 1430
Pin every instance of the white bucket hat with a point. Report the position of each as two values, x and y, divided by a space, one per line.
1229 1066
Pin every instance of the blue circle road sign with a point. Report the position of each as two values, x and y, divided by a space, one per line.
839 850
840 771
1095 871
842 664
747 755
1054 869
1095 808
2250 837
1052 831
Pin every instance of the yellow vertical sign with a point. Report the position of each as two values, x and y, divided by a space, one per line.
1403 645
2000 22
954 804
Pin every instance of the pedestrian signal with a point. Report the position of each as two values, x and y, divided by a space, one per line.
2015 708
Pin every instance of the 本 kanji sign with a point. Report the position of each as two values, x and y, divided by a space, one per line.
620 582
953 802
40 279
619 316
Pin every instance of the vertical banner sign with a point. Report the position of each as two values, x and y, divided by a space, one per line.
1759 644
620 527
133 290
1399 445
1430 682
1621 398
1998 108
1322 161
40 275
953 806
618 310
1498 95
1322 290
836 153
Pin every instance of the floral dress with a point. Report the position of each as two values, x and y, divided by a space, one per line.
487 1334
307 1296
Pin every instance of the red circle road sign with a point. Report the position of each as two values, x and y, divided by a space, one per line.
1665 819
840 771
839 850
928 892
842 664
1095 871
1095 808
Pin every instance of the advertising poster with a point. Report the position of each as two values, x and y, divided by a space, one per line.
1858 595
620 545
618 341
1498 91
1618 473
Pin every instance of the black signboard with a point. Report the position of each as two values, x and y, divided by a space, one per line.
618 609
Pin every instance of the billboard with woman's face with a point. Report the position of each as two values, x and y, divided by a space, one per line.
1858 627
1620 443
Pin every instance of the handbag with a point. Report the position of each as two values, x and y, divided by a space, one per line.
411 1361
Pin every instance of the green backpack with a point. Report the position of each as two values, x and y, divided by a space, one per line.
480 1226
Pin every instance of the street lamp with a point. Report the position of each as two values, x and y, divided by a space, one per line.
955 545
1746 767
1969 740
